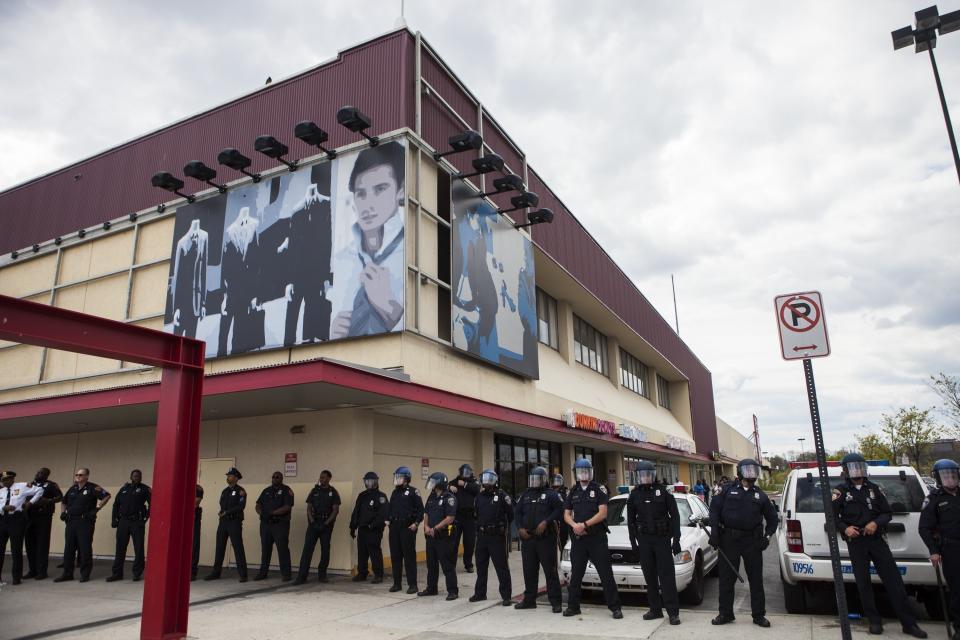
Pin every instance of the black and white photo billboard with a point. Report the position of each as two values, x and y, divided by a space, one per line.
308 256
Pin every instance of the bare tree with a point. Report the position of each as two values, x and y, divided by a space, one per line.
948 389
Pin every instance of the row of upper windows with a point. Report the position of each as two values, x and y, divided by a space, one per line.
590 350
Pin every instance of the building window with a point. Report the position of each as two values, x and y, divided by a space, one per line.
547 319
663 392
515 457
589 346
583 452
634 374
668 472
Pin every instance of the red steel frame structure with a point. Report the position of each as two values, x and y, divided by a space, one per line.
166 593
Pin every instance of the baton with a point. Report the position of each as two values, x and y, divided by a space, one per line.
943 600
724 556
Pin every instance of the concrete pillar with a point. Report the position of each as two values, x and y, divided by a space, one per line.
613 357
483 449
565 331
568 457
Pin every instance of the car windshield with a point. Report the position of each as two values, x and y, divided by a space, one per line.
903 495
617 512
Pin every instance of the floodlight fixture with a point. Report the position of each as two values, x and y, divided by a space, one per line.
504 184
132 217
232 158
36 248
466 141
522 201
58 241
314 136
82 232
357 121
106 225
485 164
540 216
169 182
924 35
273 148
14 254
199 171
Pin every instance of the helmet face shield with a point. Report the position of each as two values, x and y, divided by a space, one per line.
856 469
431 484
466 471
646 476
370 483
558 480
489 479
750 471
584 474
399 479
536 481
949 478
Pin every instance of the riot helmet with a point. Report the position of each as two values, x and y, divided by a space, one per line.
646 472
854 466
489 478
947 473
371 480
583 470
437 479
402 476
537 478
465 471
748 469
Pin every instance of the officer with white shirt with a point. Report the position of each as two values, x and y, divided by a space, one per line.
13 519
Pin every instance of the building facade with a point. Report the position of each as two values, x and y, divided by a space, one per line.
336 340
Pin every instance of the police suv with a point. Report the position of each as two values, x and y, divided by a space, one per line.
804 550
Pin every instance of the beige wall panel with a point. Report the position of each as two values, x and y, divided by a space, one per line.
429 322
35 391
149 292
117 380
111 252
20 365
107 297
59 365
377 351
71 297
428 184
29 276
428 246
155 241
247 361
75 263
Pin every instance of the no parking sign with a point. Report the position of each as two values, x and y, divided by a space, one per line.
803 329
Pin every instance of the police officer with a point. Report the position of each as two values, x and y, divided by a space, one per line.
233 500
197 518
862 513
323 506
737 518
366 525
652 521
131 510
79 510
39 523
273 507
494 510
940 531
539 514
439 520
13 520
586 515
563 533
405 512
466 489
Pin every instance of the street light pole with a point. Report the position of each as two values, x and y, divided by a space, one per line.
924 36
802 453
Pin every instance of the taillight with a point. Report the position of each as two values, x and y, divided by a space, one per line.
794 536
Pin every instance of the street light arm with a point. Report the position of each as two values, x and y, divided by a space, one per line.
946 112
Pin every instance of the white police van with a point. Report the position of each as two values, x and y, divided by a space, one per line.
804 550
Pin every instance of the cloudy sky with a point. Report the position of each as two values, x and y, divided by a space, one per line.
751 149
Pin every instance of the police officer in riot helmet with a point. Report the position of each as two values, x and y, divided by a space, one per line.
653 521
861 513
563 532
737 518
585 512
940 531
494 510
439 522
366 525
539 514
466 489
404 513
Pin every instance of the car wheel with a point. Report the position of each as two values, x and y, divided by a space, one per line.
794 596
693 594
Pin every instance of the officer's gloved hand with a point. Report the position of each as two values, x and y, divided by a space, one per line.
714 541
764 543
63 516
676 547
114 523
353 533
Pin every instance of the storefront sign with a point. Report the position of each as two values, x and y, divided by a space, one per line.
674 442
631 432
424 468
584 422
290 465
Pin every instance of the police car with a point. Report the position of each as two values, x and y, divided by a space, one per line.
805 553
695 560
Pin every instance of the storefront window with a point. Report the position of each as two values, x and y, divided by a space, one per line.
668 472
583 452
517 456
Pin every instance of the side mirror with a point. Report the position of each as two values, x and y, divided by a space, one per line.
694 519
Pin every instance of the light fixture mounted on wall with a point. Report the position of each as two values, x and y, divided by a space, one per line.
314 136
273 148
540 216
527 199
485 164
169 182
232 158
199 171
357 121
466 141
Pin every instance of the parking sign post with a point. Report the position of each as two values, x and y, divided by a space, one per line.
803 334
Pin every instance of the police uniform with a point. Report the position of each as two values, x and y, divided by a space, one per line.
440 550
940 531
405 509
13 521
233 500
130 513
197 518
857 507
39 523
320 503
653 519
494 511
585 502
466 519
737 519
536 506
368 520
275 530
80 514
563 531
